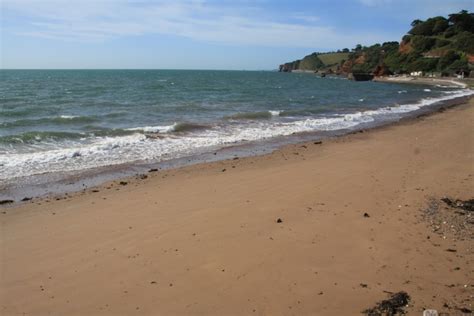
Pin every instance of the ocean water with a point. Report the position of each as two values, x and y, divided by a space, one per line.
68 120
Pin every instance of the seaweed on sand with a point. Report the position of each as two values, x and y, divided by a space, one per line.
389 307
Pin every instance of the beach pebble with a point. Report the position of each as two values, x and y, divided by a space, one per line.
279 220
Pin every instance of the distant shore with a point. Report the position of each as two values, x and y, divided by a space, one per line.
423 80
327 227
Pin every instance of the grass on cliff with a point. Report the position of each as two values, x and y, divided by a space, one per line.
333 58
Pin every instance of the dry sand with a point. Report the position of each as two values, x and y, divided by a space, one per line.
425 81
204 239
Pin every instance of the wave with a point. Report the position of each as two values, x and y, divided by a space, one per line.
176 127
136 146
58 120
253 115
35 137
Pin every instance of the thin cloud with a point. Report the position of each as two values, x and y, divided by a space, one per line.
373 3
198 20
305 17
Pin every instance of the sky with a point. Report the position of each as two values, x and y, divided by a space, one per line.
197 34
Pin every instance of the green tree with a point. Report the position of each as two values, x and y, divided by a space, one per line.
459 65
440 25
465 42
462 21
450 57
423 43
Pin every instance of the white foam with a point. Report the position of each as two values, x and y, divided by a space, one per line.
103 151
69 117
275 113
427 90
155 129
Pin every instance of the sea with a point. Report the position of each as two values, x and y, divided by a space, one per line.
68 121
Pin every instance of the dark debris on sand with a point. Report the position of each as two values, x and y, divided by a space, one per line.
451 217
393 306
467 205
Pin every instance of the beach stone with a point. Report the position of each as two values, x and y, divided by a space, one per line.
6 202
279 220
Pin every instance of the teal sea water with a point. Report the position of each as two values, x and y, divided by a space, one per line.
67 120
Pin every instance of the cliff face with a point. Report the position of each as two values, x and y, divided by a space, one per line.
405 47
438 45
288 67
327 62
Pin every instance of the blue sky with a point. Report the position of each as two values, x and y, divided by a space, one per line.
198 34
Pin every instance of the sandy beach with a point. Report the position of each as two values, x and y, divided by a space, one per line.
426 81
326 228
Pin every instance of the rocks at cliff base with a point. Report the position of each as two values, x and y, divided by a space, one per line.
393 306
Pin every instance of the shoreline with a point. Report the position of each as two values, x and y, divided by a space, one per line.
58 184
422 81
204 239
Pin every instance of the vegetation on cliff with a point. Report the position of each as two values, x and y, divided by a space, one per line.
439 45
317 61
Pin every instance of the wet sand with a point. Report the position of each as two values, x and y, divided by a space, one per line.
360 216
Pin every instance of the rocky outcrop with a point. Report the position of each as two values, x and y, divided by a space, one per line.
470 59
382 70
289 67
405 47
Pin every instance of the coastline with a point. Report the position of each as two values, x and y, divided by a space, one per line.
54 184
423 81
203 239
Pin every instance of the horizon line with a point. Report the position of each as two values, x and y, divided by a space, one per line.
192 69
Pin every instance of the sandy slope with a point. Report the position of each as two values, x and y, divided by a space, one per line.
203 241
